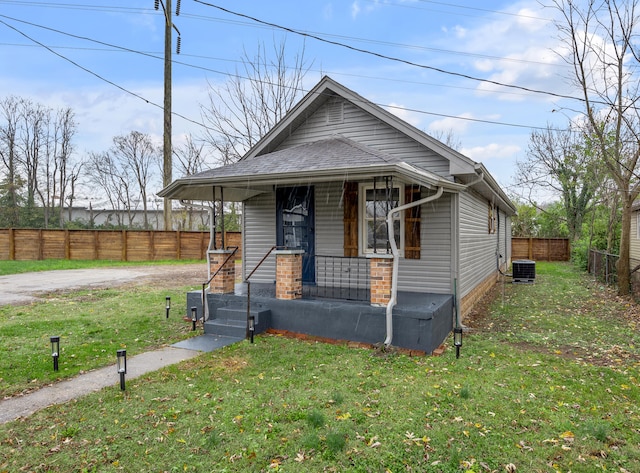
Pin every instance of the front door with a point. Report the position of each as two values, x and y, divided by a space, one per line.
295 222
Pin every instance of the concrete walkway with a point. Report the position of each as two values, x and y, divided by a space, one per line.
23 406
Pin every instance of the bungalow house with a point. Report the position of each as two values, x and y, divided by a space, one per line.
356 225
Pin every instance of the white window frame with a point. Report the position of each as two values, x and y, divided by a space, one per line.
362 217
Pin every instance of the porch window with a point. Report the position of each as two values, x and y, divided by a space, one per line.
376 202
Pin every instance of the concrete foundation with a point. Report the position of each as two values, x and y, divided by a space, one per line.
420 321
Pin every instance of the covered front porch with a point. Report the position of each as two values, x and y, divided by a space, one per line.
419 321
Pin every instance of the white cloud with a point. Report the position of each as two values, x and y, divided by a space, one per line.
491 151
355 9
519 49
451 124
460 32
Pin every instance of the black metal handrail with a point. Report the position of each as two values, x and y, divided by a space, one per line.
205 306
250 325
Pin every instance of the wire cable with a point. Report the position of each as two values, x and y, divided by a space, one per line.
390 58
237 76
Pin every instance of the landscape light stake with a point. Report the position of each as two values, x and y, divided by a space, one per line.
252 326
55 351
168 305
122 366
457 340
194 317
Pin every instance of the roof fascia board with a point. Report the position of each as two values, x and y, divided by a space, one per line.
401 170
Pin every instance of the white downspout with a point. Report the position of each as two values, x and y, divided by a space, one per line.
396 262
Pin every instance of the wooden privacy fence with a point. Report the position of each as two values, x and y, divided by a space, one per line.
540 249
115 245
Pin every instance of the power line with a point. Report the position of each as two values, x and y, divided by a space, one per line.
484 10
98 76
383 43
477 120
344 37
390 58
155 55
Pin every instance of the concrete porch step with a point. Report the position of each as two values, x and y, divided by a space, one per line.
232 321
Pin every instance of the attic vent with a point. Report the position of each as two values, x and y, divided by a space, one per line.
524 271
335 113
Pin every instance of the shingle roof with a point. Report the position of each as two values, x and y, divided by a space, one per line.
337 153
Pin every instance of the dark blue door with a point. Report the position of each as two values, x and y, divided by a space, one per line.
295 222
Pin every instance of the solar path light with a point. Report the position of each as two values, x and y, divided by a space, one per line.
194 317
252 326
55 351
168 305
457 340
121 366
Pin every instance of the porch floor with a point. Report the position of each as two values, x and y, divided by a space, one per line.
421 321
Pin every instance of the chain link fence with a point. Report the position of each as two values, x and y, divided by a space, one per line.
602 266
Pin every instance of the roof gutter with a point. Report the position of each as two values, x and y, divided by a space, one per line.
396 262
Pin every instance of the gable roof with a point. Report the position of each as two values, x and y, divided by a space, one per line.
323 160
287 165
325 90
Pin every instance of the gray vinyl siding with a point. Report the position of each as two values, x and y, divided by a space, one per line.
329 214
329 233
259 219
505 240
367 130
432 272
478 247
634 240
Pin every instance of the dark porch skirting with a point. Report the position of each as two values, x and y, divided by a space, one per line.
421 321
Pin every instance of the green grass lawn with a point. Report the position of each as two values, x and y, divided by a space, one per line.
547 381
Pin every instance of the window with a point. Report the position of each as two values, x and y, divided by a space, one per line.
375 204
492 218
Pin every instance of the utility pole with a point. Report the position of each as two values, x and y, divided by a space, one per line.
167 150
167 160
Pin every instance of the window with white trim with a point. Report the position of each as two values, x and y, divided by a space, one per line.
375 204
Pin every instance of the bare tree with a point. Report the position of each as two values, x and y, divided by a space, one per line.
68 173
135 153
9 113
31 142
106 173
191 160
560 162
605 56
72 180
448 137
55 156
244 109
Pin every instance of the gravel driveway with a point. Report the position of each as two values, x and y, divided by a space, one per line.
27 287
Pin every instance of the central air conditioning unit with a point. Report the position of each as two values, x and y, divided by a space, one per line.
524 271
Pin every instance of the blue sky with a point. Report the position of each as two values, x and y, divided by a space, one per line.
507 42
